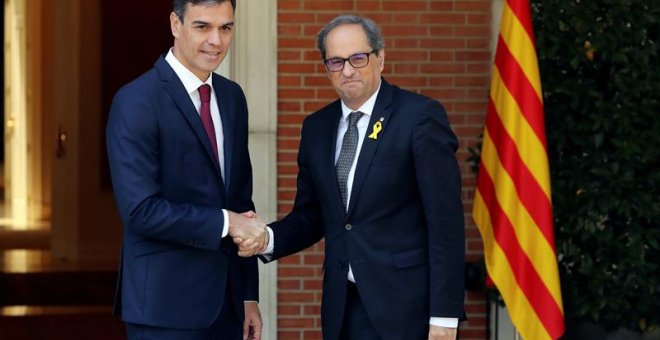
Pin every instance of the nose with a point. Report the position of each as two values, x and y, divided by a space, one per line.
214 38
348 69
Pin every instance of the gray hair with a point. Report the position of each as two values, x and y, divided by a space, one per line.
179 6
370 29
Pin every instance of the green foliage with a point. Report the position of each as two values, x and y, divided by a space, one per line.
600 70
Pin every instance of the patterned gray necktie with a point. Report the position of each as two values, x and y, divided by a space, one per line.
347 154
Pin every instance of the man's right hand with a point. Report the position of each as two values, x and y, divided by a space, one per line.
248 230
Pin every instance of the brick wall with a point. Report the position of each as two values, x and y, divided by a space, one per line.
437 48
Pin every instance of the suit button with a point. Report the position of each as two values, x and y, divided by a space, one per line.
348 226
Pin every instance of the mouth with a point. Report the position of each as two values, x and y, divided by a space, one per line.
211 54
350 82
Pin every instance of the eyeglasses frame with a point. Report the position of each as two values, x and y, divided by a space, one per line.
325 61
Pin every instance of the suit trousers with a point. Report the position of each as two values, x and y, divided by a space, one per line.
356 324
227 326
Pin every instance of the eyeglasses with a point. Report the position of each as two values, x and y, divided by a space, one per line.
357 60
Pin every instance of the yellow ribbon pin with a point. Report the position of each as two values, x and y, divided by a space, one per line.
376 129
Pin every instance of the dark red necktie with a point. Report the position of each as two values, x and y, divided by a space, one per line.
205 114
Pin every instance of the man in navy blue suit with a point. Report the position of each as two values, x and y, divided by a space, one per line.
379 179
177 145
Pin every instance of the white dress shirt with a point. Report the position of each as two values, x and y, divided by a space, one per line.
363 123
192 84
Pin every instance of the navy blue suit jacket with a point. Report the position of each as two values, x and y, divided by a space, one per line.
170 195
403 234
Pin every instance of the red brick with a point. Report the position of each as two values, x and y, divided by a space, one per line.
408 81
407 55
406 68
296 68
442 68
480 18
295 323
288 143
442 43
313 259
312 309
287 170
406 17
381 18
296 43
312 31
288 106
336 5
405 5
480 68
405 31
442 81
288 310
289 30
442 56
288 4
294 17
289 335
312 284
442 6
283 182
312 335
296 297
288 55
443 18
473 6
472 81
471 31
472 55
287 284
363 5
294 93
442 31
314 106
288 81
483 44
314 80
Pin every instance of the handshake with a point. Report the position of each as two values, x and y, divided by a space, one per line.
248 232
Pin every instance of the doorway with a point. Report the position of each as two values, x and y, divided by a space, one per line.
24 167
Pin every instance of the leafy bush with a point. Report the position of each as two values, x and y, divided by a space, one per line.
600 70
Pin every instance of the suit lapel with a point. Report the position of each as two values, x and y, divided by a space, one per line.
177 91
382 111
228 118
328 132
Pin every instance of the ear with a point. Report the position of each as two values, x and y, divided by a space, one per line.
175 24
381 59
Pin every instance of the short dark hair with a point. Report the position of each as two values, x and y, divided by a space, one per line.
370 29
179 6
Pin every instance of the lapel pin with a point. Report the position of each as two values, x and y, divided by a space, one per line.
378 126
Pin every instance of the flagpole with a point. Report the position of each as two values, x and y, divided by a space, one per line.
516 335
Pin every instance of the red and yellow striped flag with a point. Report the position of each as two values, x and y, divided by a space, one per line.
512 205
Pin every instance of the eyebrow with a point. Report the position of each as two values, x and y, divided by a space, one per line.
202 22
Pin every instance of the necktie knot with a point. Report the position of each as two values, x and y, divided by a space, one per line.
205 93
353 118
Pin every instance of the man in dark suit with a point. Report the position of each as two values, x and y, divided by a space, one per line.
177 145
379 179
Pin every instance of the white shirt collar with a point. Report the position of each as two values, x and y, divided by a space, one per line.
367 108
189 79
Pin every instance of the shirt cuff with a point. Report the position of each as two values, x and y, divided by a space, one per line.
444 322
225 225
271 242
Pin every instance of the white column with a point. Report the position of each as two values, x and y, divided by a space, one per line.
253 64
